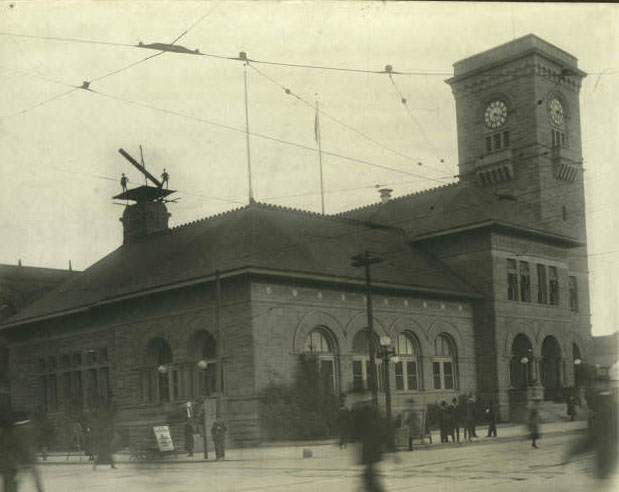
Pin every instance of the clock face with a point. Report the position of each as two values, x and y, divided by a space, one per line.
495 114
555 109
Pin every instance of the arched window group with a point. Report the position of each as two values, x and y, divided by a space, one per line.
164 379
405 367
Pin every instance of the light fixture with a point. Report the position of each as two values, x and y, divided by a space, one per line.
162 369
385 341
202 364
577 362
524 360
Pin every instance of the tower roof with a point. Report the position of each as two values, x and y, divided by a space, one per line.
512 50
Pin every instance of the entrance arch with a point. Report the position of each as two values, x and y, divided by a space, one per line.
521 366
551 367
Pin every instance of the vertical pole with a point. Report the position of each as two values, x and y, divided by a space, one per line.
218 346
318 140
387 385
251 192
371 341
205 424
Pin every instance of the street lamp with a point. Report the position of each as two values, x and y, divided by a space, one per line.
386 353
162 369
202 365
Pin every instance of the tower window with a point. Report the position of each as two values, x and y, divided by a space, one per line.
512 280
554 285
525 282
558 138
542 287
573 288
564 212
497 141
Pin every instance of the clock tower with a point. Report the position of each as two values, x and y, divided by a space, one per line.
518 123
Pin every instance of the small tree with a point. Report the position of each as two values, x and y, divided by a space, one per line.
305 409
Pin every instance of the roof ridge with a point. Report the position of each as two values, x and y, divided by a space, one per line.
401 198
209 218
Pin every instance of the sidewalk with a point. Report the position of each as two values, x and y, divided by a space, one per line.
324 449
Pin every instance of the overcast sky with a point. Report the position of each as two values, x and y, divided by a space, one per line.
58 145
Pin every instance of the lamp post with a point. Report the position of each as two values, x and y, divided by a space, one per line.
202 365
365 260
386 353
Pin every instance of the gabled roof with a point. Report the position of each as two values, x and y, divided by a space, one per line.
454 208
258 237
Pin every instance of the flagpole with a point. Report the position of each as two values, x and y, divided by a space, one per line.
317 136
251 193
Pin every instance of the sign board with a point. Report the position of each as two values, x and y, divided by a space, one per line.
415 425
163 437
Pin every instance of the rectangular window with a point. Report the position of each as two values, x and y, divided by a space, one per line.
92 388
357 375
488 144
512 280
573 288
66 389
52 393
77 359
448 375
436 374
542 284
104 384
505 139
43 392
91 357
497 141
553 281
51 363
411 375
399 376
525 282
76 389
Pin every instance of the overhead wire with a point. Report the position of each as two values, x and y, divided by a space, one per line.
292 93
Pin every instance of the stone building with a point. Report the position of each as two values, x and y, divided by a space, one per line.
483 286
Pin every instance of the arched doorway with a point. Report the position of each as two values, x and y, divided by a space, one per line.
521 366
551 368
321 344
202 353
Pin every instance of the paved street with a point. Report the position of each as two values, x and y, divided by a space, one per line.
507 464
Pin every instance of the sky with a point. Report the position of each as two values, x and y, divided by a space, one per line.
59 160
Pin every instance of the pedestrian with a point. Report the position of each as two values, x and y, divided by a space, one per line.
17 451
491 417
571 407
342 424
218 432
104 441
189 438
413 428
445 424
469 419
372 431
454 411
88 444
75 440
533 423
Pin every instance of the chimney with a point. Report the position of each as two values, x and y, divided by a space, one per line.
144 218
385 194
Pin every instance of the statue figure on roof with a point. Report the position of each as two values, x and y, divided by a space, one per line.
123 182
164 178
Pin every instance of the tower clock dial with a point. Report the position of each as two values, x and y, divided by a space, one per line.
495 114
555 109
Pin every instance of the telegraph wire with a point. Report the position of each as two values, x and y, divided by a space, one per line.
72 40
258 135
290 92
181 35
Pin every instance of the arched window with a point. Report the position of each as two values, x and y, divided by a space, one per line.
159 382
202 351
362 373
320 343
444 363
408 366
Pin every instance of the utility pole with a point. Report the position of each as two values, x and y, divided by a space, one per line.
365 260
